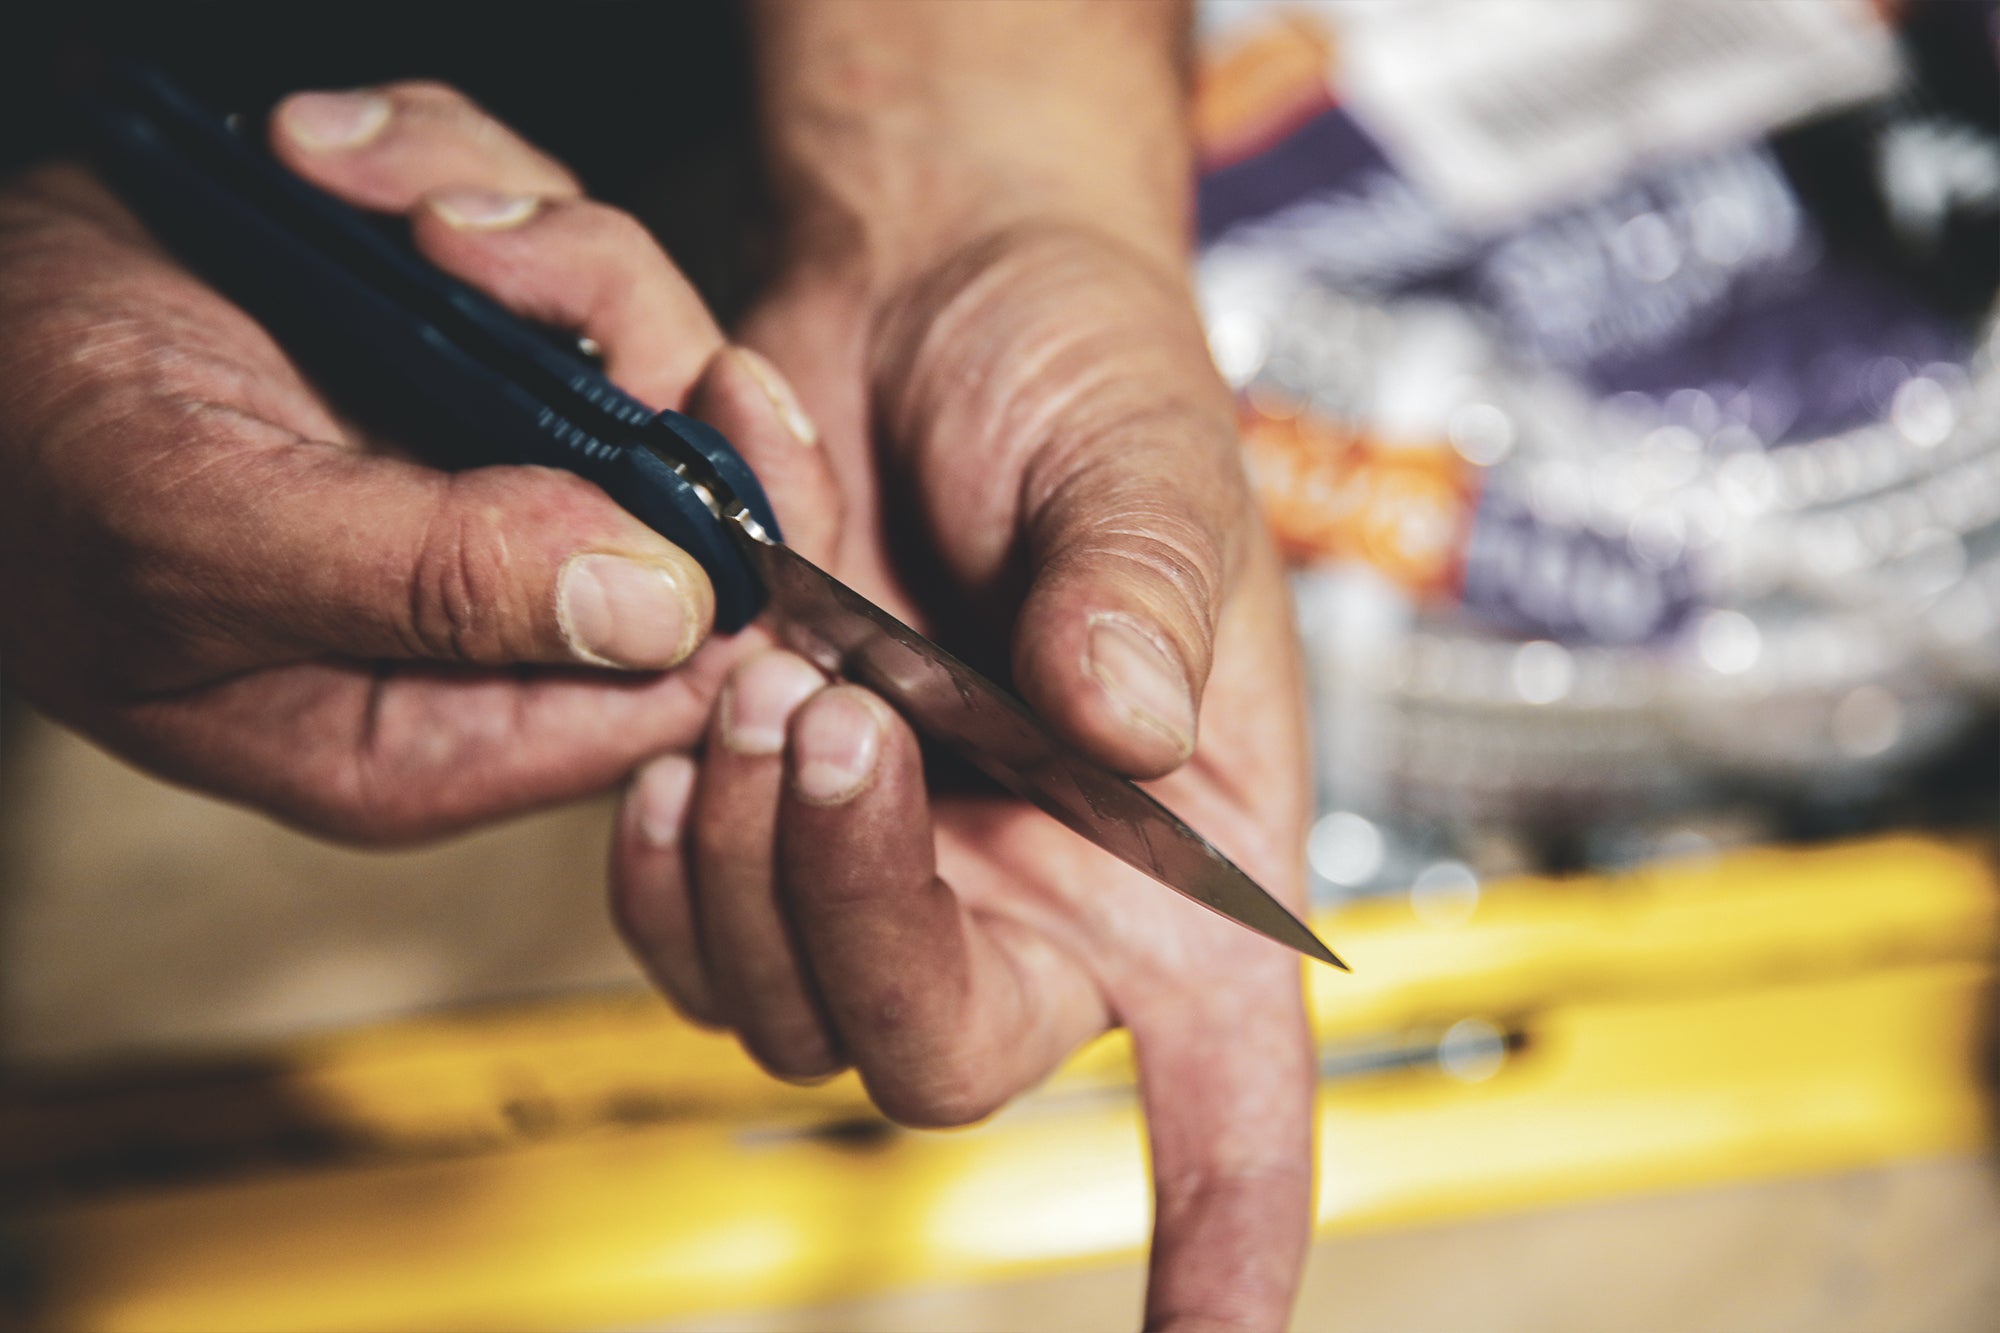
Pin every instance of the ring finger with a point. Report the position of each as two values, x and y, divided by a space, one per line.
753 961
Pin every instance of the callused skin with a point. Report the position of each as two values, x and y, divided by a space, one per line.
982 307
984 304
203 567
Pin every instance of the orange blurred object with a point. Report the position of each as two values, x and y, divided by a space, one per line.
1251 92
1331 493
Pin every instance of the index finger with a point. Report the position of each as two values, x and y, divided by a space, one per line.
384 148
945 1013
1226 1074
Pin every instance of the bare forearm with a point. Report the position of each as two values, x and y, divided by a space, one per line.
900 128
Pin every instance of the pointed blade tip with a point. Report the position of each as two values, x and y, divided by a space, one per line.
1326 955
1300 937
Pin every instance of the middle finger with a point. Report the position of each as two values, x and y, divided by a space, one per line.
752 960
384 148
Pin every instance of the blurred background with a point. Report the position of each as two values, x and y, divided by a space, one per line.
1621 380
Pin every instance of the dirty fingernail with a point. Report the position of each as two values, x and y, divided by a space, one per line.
335 120
1143 679
617 611
482 210
661 797
784 400
761 698
835 745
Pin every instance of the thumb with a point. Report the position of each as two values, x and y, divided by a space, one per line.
1055 396
324 549
371 556
311 549
296 548
1132 542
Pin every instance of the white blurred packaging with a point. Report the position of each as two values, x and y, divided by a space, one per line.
1621 378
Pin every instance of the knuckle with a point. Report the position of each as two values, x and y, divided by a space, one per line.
376 795
458 584
1171 547
1080 371
1178 554
1197 1187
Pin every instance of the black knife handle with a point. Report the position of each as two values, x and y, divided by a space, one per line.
362 310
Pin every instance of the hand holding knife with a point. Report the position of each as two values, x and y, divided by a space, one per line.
304 262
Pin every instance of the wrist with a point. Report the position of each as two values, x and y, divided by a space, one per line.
898 135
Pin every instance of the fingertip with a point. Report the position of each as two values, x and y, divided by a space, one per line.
837 740
320 122
466 209
760 698
820 1075
855 825
1144 683
779 393
634 613
747 398
1113 683
805 1057
660 798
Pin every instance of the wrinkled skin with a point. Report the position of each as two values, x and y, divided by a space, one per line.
1043 399
210 571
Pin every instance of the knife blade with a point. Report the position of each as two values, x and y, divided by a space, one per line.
846 635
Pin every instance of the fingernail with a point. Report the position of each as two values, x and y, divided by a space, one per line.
835 745
482 210
621 612
761 698
661 797
335 120
1138 673
784 400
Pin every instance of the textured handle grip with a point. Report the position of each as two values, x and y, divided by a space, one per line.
444 365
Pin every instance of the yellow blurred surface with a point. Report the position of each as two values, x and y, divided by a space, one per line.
590 1162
